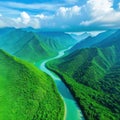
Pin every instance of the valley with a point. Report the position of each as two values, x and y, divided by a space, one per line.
92 75
56 76
59 59
72 111
34 46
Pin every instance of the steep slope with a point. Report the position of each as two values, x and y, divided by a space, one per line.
90 41
25 45
44 45
113 39
13 40
57 40
92 74
33 46
34 50
27 93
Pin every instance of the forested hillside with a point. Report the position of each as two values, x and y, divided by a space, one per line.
34 46
26 93
92 74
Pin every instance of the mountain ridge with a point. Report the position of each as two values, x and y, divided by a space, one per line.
18 41
24 92
91 41
92 74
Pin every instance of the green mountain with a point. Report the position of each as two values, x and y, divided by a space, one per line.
93 76
5 30
90 41
34 46
13 40
57 40
114 39
26 93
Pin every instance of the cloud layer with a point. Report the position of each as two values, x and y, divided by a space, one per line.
94 14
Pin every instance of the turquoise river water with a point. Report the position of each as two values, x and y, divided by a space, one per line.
72 111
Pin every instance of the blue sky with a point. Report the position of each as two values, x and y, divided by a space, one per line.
61 15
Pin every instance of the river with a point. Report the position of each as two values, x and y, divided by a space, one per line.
72 111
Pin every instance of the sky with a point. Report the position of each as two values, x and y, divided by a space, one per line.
61 15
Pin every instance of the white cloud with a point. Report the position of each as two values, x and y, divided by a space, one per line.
100 7
2 23
17 20
89 22
68 11
38 6
41 16
95 33
25 18
75 10
101 13
98 13
6 11
35 23
62 11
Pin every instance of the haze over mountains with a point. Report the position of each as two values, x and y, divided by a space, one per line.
27 91
90 69
34 46
89 41
80 37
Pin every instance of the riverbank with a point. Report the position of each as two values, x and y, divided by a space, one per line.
71 90
73 112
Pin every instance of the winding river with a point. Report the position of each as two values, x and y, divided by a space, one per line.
72 111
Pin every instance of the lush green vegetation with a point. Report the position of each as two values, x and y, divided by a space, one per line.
93 76
34 46
26 93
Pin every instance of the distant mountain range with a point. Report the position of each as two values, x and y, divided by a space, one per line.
25 91
90 41
90 69
34 46
80 37
5 30
112 40
92 72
